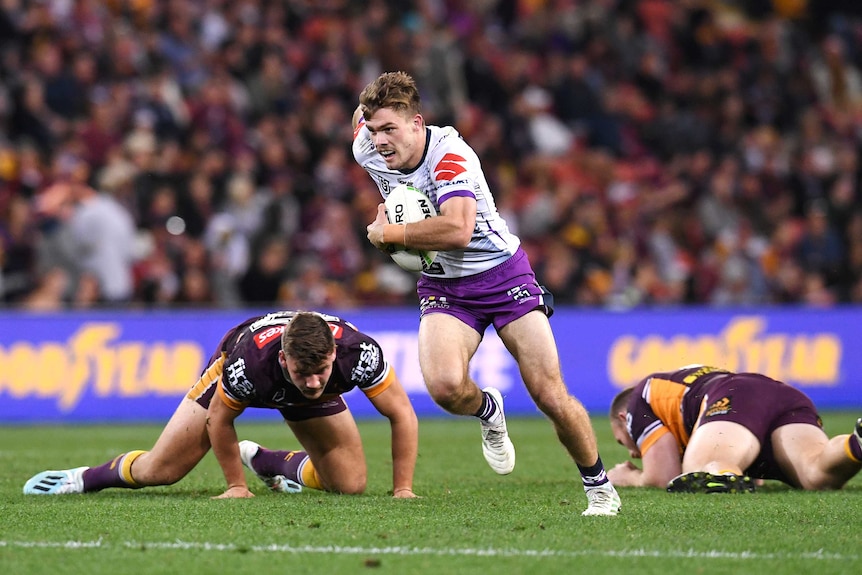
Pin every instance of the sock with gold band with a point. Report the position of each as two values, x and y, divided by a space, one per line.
115 473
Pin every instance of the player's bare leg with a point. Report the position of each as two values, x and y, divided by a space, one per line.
814 461
180 447
336 460
531 341
715 460
446 345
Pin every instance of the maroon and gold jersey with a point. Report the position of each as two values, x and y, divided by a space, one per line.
669 402
252 376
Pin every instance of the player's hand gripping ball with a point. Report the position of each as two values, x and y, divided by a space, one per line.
406 205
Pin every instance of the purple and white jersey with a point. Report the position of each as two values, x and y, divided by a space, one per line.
449 169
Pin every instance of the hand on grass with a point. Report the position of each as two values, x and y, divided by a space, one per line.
235 492
404 493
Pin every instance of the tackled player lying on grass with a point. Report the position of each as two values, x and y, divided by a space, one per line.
704 429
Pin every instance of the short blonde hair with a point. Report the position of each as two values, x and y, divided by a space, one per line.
394 90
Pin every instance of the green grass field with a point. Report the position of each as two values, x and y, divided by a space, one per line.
469 520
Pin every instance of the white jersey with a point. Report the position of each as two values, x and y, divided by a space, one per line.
449 168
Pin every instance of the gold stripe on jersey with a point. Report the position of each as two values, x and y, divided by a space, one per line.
209 377
665 400
376 390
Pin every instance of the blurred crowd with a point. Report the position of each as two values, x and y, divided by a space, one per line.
648 152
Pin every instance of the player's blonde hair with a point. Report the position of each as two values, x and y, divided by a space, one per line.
394 90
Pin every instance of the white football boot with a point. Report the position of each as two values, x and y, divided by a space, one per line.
60 482
603 500
496 445
278 483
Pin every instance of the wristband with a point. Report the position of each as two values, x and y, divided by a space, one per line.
389 232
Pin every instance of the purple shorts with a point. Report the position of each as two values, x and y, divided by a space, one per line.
762 405
498 296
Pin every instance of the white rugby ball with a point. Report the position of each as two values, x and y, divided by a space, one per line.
406 205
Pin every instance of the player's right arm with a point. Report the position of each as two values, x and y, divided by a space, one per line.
225 445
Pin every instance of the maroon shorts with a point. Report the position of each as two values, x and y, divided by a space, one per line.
498 296
762 405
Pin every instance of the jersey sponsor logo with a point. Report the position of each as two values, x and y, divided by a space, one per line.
520 294
433 302
718 407
337 330
449 167
358 127
237 382
263 338
369 361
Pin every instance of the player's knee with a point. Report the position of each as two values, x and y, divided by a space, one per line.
350 485
820 482
448 392
555 403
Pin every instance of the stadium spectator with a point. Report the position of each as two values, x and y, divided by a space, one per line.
297 362
480 276
163 93
707 430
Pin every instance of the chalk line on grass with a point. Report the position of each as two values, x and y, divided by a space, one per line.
432 551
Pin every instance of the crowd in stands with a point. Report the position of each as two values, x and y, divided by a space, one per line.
648 152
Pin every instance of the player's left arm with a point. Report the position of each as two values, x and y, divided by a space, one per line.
394 404
225 446
661 462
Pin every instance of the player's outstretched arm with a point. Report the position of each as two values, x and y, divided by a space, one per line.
394 404
225 446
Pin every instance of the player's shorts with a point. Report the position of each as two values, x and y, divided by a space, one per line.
498 296
761 405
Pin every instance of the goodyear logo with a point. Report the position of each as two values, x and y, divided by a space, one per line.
743 345
94 360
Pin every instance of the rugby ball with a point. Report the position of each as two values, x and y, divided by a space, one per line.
406 205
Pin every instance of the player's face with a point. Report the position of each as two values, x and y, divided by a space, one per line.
398 138
311 385
623 438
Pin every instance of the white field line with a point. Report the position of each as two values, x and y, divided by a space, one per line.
407 551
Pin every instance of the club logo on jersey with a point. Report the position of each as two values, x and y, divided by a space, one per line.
384 186
449 167
369 360
238 384
718 407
